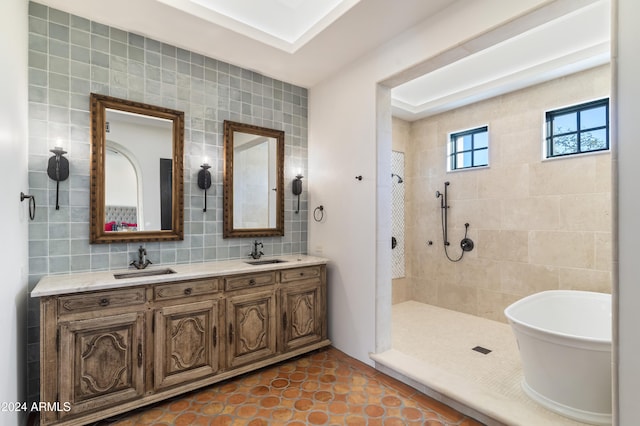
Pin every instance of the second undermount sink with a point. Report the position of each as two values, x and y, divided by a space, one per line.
265 262
144 273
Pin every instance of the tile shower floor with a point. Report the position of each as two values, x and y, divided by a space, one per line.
325 387
433 347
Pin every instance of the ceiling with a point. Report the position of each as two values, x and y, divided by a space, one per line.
562 46
284 24
349 30
306 41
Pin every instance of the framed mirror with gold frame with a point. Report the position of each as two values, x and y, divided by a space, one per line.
136 187
253 181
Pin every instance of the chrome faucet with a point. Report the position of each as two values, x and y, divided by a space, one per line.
142 261
255 253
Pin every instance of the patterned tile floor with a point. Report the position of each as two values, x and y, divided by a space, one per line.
325 387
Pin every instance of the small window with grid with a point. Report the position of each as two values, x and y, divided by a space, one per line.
469 148
578 129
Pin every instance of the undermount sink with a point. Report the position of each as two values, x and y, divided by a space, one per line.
144 273
265 262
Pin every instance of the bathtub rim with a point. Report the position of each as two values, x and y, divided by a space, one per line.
553 335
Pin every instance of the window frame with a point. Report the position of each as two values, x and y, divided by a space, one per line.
451 152
549 115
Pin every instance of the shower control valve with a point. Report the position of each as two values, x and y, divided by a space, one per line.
466 244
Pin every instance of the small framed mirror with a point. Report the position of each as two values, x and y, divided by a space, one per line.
136 171
253 189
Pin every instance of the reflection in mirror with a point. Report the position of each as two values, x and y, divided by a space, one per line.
136 152
145 143
123 204
254 174
253 181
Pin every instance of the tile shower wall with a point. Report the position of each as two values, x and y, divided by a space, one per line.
400 137
537 225
69 57
397 215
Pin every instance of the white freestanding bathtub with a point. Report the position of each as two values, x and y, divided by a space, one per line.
564 338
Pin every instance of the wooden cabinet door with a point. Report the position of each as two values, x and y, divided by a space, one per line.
101 362
186 342
302 313
251 327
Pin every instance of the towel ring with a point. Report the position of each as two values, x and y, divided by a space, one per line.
318 213
32 204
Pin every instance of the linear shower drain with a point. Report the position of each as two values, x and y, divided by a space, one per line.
481 350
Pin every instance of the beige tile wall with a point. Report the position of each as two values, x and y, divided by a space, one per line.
537 225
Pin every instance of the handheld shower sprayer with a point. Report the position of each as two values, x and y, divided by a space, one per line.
466 244
444 206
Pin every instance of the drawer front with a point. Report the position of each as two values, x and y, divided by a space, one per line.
184 289
101 300
288 275
249 281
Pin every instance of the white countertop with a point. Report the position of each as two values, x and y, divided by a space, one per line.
90 281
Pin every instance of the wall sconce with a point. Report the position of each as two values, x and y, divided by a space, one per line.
204 181
296 188
58 169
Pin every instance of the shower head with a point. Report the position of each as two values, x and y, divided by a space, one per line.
400 180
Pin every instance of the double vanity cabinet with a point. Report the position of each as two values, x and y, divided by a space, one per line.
110 345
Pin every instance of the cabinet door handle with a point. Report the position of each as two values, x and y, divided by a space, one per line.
139 354
104 302
215 336
230 334
252 282
187 291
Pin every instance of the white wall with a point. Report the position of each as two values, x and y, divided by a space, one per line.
628 129
342 145
13 214
349 135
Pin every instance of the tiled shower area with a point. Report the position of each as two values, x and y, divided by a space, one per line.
471 364
537 224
